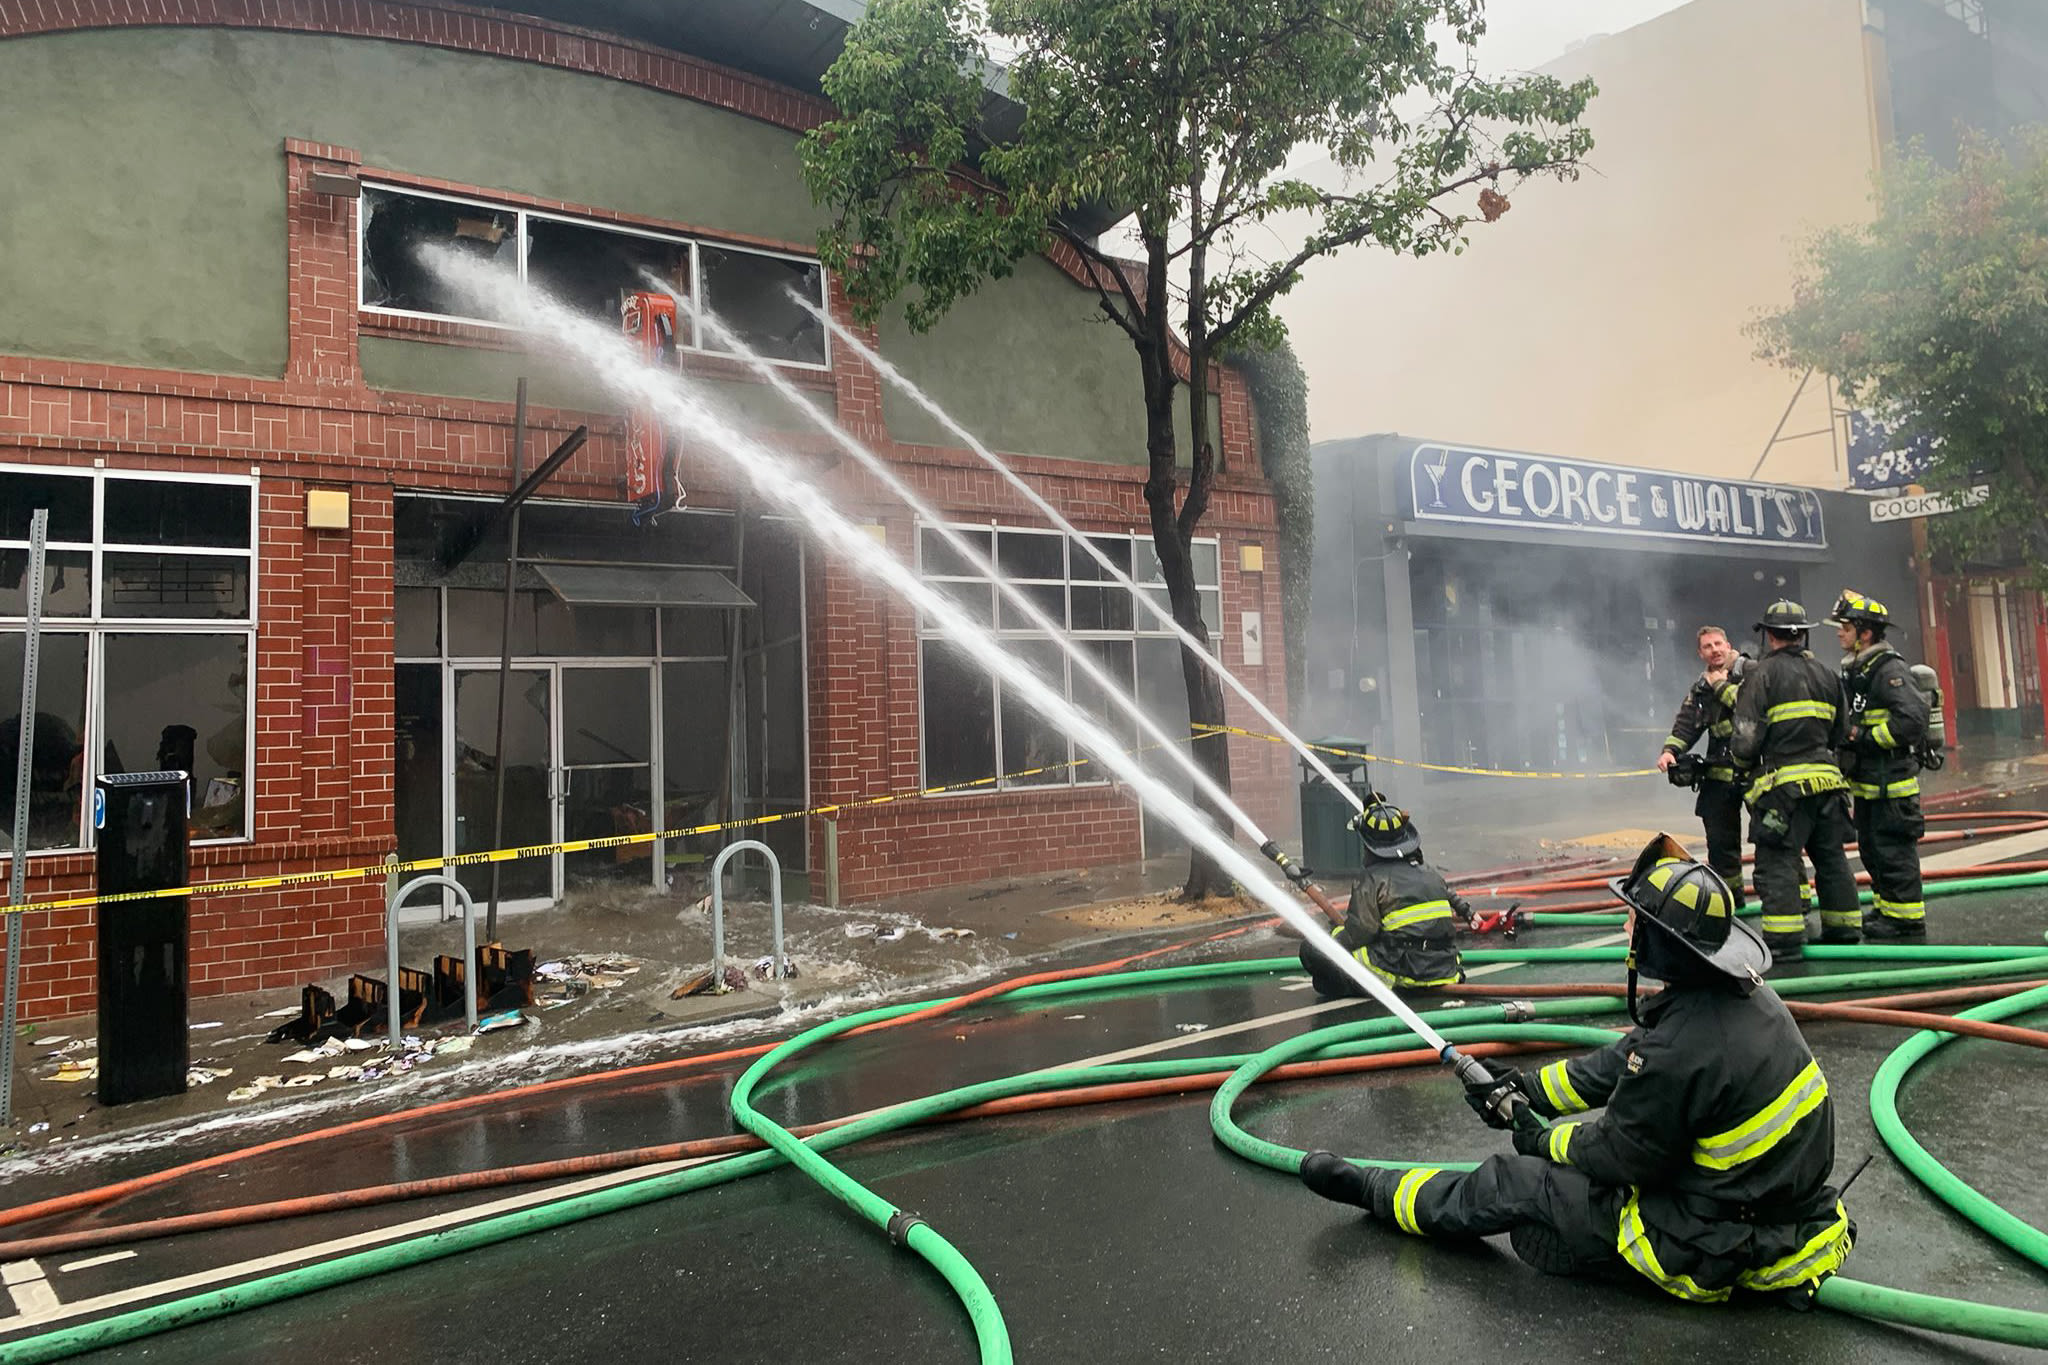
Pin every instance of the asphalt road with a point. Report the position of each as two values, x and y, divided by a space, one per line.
1116 1234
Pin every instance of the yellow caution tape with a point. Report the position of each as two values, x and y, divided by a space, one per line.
395 867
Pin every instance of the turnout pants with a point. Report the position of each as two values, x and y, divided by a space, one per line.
1720 810
1818 826
1556 1219
1888 840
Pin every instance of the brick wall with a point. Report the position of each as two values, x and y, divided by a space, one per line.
322 775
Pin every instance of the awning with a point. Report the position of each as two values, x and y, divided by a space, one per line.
639 585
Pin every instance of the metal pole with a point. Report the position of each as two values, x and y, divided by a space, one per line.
24 770
1786 417
391 908
735 679
505 662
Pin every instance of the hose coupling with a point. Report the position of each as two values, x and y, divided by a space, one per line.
1518 1011
901 1223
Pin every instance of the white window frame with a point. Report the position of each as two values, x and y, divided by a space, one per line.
522 246
96 626
1142 627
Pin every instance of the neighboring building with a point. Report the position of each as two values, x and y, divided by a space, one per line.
1605 319
259 428
1494 609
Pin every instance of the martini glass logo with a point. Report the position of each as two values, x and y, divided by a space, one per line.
1436 466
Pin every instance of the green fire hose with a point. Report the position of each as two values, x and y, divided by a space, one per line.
1473 1023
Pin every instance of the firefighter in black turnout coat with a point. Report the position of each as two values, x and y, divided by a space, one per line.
1887 724
1708 712
1402 913
1708 1169
1789 723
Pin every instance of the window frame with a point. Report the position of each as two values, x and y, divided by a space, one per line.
96 625
1142 627
522 246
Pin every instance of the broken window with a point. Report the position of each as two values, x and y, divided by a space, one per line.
396 226
592 269
750 293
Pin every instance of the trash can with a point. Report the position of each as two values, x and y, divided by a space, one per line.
143 845
1328 847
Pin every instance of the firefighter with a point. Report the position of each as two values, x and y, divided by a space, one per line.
1708 1169
1709 710
1887 723
1402 912
1789 723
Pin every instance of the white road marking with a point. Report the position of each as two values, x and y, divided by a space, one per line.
31 1293
335 1247
2012 846
91 1261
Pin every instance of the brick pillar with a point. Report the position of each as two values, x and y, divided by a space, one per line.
857 385
326 683
371 608
280 543
320 249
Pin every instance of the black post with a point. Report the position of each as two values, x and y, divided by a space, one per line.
144 1037
505 660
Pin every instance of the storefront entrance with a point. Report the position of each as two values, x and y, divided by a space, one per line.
579 764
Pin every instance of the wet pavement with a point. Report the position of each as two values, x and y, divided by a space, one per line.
1111 1233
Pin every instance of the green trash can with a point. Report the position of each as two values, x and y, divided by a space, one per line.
1328 847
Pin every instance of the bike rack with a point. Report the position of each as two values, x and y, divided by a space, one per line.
398 898
718 907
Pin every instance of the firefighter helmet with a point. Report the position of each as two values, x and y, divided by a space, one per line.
1786 615
1686 927
1854 609
1386 829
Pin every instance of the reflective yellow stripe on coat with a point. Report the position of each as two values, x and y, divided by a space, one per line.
1632 1240
1823 1254
1800 710
1763 1130
1411 915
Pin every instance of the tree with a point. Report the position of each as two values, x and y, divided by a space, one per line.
1183 114
1934 315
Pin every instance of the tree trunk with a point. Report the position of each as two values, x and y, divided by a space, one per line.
1172 529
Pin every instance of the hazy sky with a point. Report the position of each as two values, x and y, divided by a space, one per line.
1527 33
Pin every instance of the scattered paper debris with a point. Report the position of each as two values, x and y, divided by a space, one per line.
353 1045
491 1023
206 1075
1011 934
862 930
211 1023
891 935
344 1073
305 1055
243 1093
288 1012
298 1082
951 933
35 1128
452 1045
77 1071
1191 1028
53 1038
1077 1016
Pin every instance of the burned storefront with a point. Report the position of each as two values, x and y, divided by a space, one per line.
1499 610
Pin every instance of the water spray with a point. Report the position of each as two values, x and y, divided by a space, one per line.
1052 514
620 369
731 342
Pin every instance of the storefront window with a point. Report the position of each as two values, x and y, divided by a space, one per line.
970 720
57 766
145 654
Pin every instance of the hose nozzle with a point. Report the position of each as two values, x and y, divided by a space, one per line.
1295 873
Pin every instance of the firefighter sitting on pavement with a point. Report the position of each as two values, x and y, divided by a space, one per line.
1887 720
1789 723
1709 710
1708 1169
1401 915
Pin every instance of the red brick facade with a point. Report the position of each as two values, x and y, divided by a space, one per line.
322 779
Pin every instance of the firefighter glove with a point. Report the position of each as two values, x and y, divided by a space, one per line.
1493 1100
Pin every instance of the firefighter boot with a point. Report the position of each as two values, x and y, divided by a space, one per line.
1337 1180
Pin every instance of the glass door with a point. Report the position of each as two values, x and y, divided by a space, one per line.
530 779
605 782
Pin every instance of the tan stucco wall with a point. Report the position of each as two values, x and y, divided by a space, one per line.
1604 319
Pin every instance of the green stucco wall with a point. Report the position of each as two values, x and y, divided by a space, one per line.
142 220
1030 365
